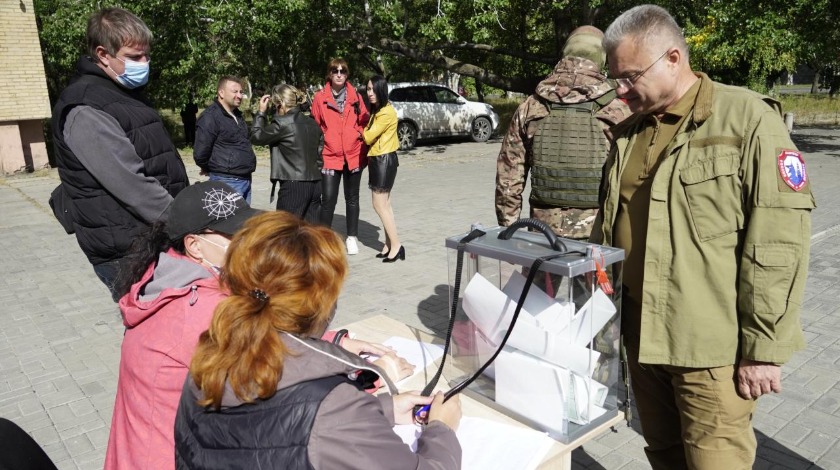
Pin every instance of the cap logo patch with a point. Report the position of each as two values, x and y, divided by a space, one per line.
220 204
792 169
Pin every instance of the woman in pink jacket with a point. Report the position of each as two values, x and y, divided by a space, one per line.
165 308
170 293
339 110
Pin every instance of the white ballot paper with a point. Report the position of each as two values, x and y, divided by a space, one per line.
544 372
543 325
551 314
490 445
546 394
490 309
589 320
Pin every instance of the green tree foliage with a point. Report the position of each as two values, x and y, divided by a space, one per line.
745 42
505 44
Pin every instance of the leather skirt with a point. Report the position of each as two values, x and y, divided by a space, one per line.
382 171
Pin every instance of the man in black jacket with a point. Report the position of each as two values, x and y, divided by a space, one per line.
222 149
118 167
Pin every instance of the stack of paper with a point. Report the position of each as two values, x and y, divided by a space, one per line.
490 445
545 371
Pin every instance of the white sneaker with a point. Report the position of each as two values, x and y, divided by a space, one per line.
352 246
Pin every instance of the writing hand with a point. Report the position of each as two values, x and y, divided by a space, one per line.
404 404
758 378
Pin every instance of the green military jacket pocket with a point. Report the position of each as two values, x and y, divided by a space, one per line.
712 189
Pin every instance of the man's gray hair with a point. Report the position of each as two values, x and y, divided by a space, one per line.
647 25
113 28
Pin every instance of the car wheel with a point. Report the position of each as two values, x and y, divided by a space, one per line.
407 135
481 129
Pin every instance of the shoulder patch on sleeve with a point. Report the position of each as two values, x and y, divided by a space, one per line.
792 169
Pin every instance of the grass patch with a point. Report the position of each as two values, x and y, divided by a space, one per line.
809 110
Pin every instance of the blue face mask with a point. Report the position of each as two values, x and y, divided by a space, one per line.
136 73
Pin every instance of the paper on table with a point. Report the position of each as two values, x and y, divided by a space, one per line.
417 353
490 445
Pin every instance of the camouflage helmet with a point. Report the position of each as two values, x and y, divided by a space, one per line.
585 42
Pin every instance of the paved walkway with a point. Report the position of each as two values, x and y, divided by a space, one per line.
60 333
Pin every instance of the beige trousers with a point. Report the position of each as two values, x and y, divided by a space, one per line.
692 418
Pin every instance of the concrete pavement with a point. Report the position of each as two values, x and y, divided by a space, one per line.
60 333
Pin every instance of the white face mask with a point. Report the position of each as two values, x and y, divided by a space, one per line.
216 269
223 247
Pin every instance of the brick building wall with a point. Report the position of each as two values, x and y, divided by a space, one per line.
24 100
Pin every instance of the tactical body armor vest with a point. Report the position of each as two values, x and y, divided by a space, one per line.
569 149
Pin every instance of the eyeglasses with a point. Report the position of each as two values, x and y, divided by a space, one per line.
628 82
338 71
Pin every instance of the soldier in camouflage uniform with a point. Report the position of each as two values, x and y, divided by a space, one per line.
565 164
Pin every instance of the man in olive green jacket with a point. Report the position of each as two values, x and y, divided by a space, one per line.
710 200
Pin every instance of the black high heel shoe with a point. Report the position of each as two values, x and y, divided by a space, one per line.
382 255
400 255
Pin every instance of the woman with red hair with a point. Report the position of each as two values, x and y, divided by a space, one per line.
265 392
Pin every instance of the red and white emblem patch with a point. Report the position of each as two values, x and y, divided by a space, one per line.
792 169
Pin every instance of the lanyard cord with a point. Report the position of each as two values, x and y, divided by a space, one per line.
531 274
455 292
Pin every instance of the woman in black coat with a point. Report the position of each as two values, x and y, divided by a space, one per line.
296 143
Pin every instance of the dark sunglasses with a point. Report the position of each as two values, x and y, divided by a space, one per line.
338 71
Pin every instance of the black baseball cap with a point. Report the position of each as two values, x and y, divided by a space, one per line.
209 205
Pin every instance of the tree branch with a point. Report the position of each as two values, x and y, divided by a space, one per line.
520 84
496 50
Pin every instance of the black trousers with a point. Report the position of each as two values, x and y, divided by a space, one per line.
329 198
302 198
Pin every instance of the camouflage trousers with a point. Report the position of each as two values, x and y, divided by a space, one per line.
567 222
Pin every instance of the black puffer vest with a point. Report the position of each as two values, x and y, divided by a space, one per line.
104 228
253 435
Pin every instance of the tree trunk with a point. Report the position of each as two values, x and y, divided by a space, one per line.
451 80
815 85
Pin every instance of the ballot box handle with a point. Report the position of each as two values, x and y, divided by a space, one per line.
553 240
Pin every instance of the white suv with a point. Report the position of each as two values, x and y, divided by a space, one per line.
429 110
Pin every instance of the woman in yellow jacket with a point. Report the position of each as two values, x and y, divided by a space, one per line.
380 135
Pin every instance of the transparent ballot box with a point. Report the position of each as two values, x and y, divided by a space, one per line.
559 369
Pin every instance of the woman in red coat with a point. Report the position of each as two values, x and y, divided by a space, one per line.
339 110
